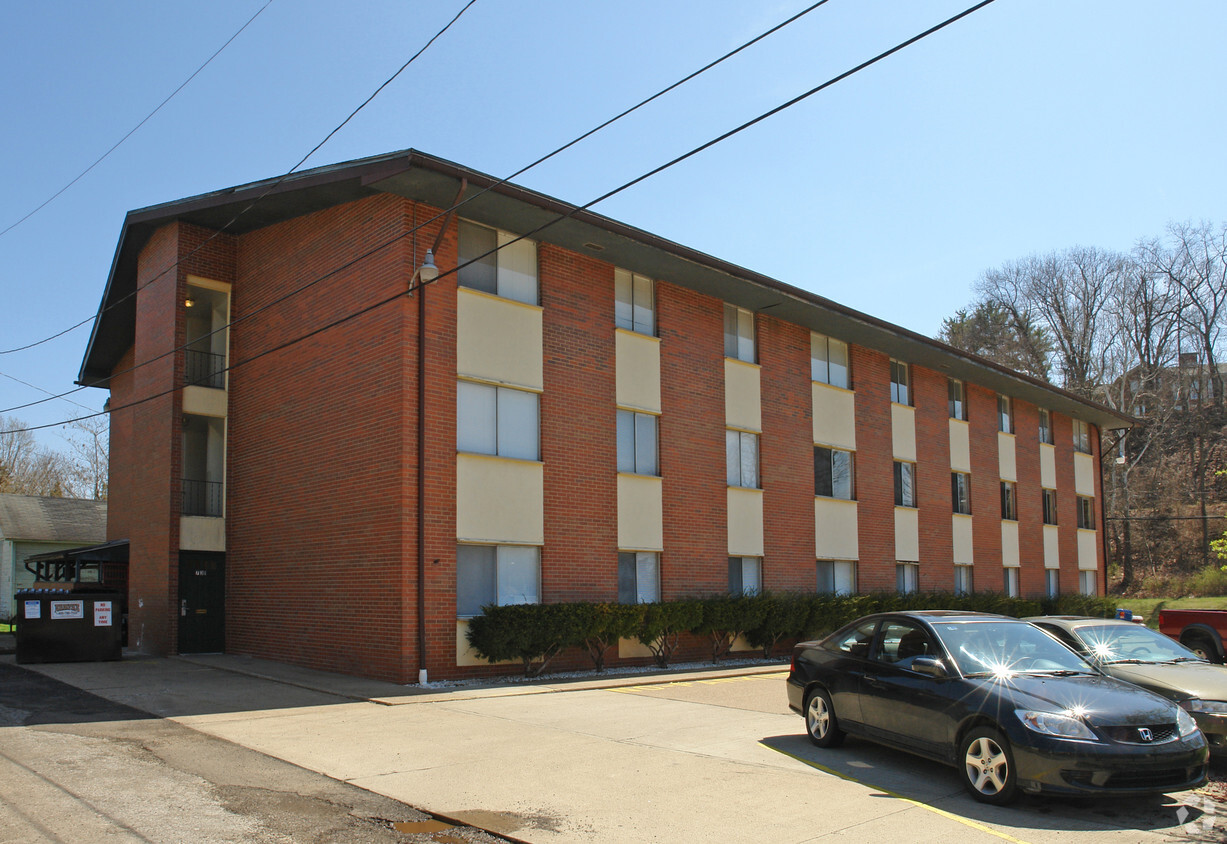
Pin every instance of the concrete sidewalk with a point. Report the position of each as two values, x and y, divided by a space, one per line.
689 756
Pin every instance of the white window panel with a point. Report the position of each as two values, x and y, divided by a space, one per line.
519 575
517 269
476 418
518 424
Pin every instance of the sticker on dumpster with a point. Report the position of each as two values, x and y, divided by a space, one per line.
102 614
68 609
34 609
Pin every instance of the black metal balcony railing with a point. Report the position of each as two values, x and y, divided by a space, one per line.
202 498
205 369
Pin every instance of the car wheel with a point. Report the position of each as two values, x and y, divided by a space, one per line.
987 767
820 721
1203 648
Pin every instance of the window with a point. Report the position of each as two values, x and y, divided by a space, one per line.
745 575
1088 582
497 420
638 577
901 642
637 443
738 333
833 473
741 458
634 302
1082 436
1009 501
858 640
957 393
836 577
905 484
498 265
1005 414
1011 582
828 361
900 380
1050 506
1086 513
907 577
960 492
962 580
1046 427
1052 582
496 574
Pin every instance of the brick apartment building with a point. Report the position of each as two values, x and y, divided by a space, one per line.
313 466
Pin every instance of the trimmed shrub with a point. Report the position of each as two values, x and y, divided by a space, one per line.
598 627
784 616
531 633
661 626
725 617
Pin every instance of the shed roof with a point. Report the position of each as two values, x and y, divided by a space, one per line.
34 518
425 178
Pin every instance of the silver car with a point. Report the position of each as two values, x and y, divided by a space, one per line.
1136 654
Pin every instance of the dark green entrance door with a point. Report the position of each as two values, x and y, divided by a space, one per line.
202 603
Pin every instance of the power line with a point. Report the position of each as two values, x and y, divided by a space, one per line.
161 273
41 390
457 206
133 130
559 218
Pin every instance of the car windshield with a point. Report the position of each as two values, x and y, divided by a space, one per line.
1006 648
1131 643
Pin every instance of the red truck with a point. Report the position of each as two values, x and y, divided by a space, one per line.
1201 631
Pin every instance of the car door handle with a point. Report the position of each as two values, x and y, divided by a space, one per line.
871 680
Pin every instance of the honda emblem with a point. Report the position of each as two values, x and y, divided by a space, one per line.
1145 734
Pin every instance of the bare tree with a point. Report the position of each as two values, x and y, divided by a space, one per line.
88 457
27 469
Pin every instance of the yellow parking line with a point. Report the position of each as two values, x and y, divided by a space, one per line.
959 819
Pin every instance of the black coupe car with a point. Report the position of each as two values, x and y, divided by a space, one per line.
999 699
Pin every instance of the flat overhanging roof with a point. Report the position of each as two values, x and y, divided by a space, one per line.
434 181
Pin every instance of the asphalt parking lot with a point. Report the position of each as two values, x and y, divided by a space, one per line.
695 757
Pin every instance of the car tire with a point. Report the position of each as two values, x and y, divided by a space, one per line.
986 766
820 722
1204 648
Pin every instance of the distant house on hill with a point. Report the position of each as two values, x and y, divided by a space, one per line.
31 524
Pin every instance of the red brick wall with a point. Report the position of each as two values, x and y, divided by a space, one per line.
1030 499
578 428
1067 502
787 456
317 482
933 479
691 331
875 480
985 490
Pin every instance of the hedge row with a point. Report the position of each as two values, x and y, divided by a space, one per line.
536 633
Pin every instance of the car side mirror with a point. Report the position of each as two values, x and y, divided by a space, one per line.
929 666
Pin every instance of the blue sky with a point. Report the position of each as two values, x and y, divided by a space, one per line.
1030 126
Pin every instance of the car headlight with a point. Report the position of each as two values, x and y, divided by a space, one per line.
1185 723
1059 724
1205 707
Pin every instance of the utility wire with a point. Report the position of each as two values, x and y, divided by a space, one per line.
48 392
163 272
559 218
132 131
457 206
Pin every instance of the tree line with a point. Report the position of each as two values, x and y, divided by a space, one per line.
1141 332
80 471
